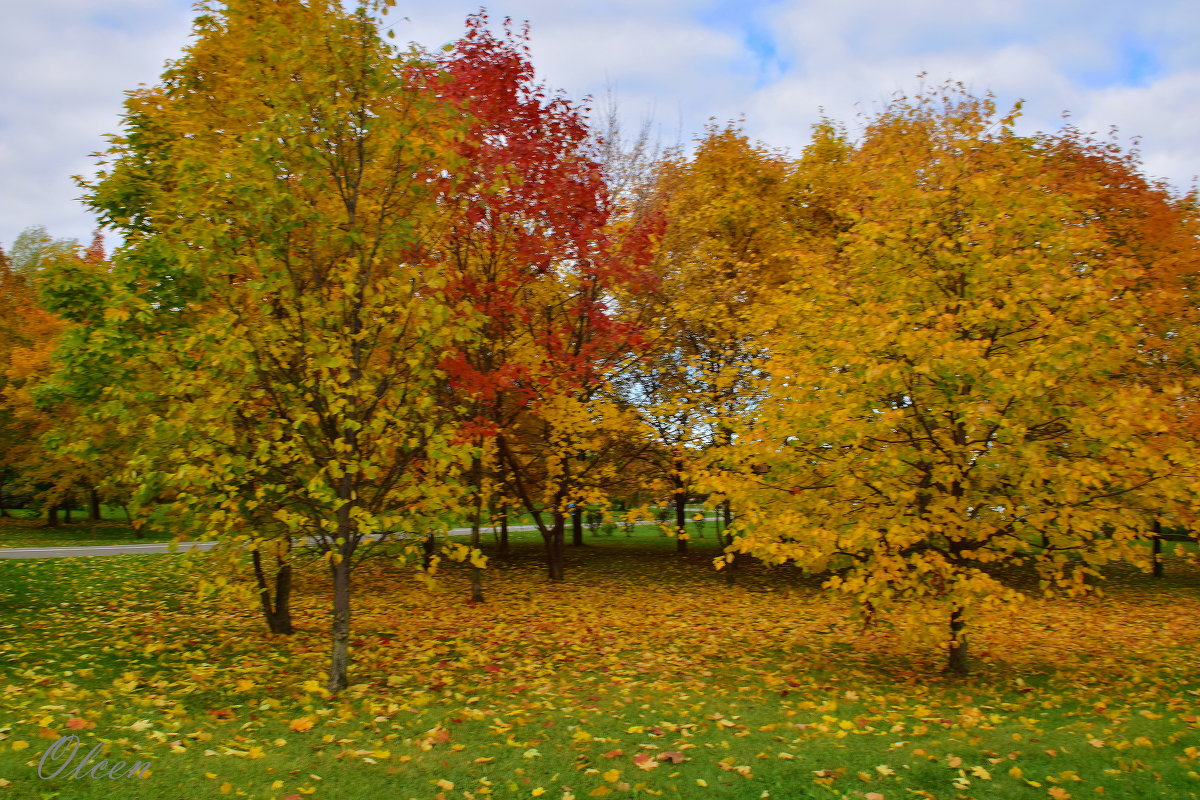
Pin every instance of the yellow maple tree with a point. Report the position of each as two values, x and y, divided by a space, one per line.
949 392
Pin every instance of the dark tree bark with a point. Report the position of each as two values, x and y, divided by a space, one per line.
1156 547
555 554
344 545
553 535
93 504
958 663
476 513
577 525
427 549
727 538
52 516
137 529
680 510
339 661
504 531
277 611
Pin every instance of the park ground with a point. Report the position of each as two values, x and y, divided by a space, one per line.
642 675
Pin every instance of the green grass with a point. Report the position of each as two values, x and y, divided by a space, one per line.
27 528
765 687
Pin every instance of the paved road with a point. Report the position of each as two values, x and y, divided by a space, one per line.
71 551
165 547
99 550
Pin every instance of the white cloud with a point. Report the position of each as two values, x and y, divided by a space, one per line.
1076 57
1162 115
65 63
64 68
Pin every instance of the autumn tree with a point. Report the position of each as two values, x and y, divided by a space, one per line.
34 249
527 249
1144 222
949 391
273 302
11 292
35 436
81 445
723 252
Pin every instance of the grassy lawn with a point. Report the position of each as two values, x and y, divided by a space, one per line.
26 528
641 675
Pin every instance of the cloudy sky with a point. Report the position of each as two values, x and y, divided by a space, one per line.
775 63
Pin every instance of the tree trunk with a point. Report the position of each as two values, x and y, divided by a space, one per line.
476 572
343 548
66 507
504 531
476 513
52 516
1156 548
3 508
137 529
278 614
577 525
93 504
727 538
427 549
339 659
958 664
680 512
554 548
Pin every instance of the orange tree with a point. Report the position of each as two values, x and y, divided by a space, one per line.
29 333
1144 223
950 388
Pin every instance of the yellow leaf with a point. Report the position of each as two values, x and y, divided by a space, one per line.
301 724
612 776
